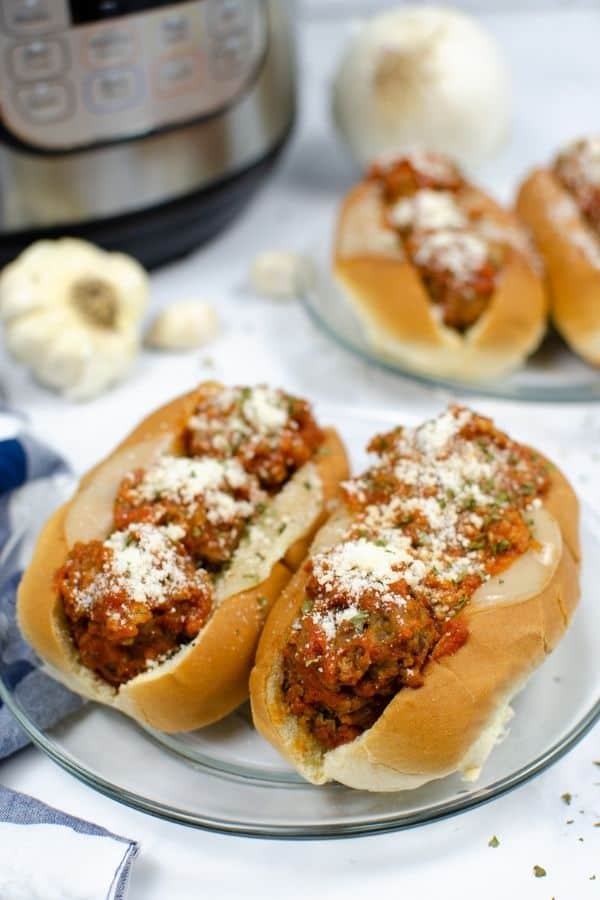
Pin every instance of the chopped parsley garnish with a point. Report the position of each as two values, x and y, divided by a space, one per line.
501 546
360 620
307 485
566 798
307 606
493 842
539 872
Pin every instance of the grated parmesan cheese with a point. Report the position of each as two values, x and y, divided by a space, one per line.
428 210
145 563
187 482
448 485
458 252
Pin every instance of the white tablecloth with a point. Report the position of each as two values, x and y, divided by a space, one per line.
557 71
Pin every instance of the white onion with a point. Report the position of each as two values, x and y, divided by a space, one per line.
422 78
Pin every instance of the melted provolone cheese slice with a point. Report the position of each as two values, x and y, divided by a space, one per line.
90 516
289 515
529 574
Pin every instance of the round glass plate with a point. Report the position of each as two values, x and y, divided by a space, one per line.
227 778
551 375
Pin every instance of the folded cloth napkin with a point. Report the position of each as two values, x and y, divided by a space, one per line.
45 854
33 481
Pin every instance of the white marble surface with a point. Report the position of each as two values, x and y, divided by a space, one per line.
556 70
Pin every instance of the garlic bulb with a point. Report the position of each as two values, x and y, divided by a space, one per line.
71 312
183 326
422 77
275 274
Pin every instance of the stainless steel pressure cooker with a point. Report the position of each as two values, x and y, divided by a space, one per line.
142 125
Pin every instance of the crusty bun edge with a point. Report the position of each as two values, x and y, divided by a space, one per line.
465 697
207 678
571 252
399 318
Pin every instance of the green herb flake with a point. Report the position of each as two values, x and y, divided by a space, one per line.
360 620
282 528
307 606
527 488
493 842
251 576
501 546
539 872
260 508
569 821
596 824
307 485
261 601
566 798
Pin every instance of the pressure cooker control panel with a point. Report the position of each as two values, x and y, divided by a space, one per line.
67 83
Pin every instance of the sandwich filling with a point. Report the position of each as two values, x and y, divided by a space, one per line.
445 507
444 235
131 600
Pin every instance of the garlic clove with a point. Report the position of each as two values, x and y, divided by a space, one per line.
64 360
184 325
27 337
112 359
276 274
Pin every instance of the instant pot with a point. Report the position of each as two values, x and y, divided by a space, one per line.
138 124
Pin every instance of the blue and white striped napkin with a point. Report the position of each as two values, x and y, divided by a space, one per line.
37 840
33 481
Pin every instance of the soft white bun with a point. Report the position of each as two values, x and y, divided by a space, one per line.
398 316
453 721
571 252
207 678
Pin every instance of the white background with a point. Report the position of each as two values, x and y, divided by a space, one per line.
556 68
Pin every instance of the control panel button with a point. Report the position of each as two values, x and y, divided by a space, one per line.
179 73
228 16
34 16
44 102
175 29
113 90
110 46
230 56
38 59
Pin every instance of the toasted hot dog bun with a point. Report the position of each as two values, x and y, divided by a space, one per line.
399 317
207 678
571 253
453 721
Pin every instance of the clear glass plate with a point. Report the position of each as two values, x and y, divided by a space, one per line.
227 778
551 375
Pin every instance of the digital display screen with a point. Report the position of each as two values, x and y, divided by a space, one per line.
84 11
